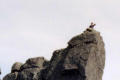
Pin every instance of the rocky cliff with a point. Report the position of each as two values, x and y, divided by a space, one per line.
83 59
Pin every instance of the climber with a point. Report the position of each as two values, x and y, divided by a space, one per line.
92 25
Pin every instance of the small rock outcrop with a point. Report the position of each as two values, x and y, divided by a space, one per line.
83 59
0 71
16 67
26 71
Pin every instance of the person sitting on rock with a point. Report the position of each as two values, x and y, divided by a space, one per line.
92 25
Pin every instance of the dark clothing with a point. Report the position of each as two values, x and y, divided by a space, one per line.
91 26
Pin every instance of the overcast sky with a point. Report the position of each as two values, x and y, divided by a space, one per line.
31 28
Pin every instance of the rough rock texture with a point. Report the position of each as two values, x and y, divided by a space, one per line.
16 67
83 59
0 71
27 71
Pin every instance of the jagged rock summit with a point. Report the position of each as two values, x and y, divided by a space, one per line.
83 59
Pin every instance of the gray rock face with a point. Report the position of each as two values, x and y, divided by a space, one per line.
27 71
33 63
0 71
11 76
83 59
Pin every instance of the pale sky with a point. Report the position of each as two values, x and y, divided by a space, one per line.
32 28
